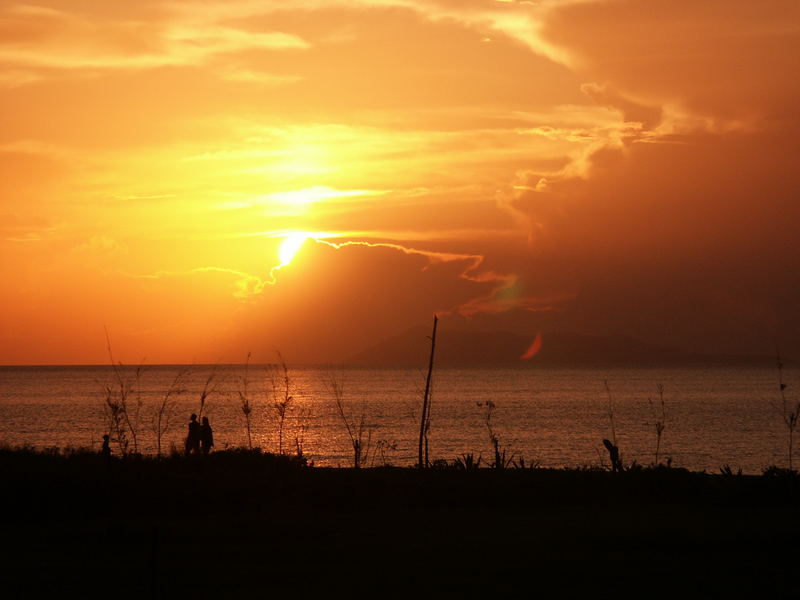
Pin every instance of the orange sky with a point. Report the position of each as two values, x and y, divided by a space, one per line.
603 167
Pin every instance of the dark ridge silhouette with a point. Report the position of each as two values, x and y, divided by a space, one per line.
502 348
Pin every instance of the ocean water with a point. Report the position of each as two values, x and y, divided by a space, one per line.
558 417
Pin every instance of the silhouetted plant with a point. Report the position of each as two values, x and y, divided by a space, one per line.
282 396
244 402
776 471
661 419
634 466
380 450
133 411
789 413
501 460
210 387
613 455
728 471
356 427
115 420
300 432
610 412
122 417
467 462
611 445
175 452
521 463
164 411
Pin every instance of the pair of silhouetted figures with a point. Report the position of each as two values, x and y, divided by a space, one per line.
200 437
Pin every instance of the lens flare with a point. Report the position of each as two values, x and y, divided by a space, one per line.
533 349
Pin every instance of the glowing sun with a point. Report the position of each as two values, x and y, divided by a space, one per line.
291 246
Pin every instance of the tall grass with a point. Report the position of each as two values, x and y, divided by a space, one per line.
120 410
210 387
164 411
611 445
282 396
358 431
790 413
610 412
245 404
501 460
661 419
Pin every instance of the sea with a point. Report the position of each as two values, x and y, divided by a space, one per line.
698 418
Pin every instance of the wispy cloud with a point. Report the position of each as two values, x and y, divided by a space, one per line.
259 77
245 284
15 78
292 202
31 146
15 228
72 41
519 21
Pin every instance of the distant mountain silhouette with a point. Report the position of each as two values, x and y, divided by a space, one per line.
502 348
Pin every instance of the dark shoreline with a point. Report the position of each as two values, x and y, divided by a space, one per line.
239 523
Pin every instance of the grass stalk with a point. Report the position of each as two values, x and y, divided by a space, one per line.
425 417
789 413
356 427
122 420
282 396
164 411
661 420
244 403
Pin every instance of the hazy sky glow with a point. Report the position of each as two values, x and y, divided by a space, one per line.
211 178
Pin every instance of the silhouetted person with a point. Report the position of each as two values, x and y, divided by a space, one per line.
206 437
106 449
613 454
193 437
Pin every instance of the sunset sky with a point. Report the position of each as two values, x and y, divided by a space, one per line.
208 179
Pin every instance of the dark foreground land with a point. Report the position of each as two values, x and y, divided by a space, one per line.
240 524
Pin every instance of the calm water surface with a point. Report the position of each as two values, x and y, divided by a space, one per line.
714 416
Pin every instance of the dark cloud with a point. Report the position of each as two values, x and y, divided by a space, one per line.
684 233
690 241
605 95
330 303
726 58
